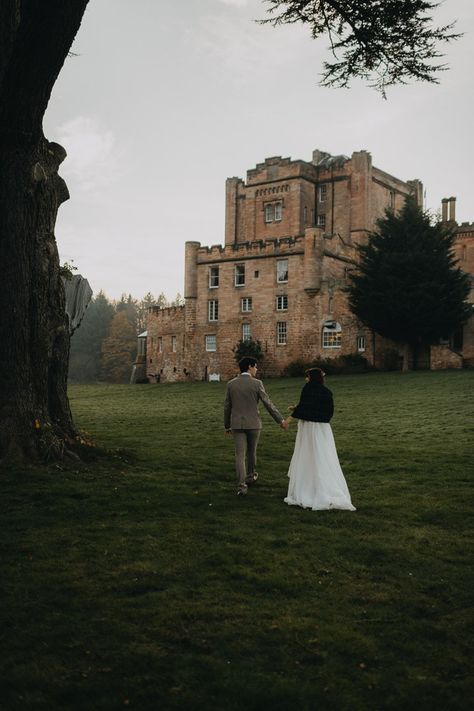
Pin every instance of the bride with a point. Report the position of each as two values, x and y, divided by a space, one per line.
316 478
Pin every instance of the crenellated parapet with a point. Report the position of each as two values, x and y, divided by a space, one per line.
250 250
464 229
166 312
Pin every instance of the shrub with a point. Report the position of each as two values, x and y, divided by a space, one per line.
350 363
250 348
391 359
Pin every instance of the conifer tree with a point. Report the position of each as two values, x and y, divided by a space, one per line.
119 349
86 343
383 42
407 286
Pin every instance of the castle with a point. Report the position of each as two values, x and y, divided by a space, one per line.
291 232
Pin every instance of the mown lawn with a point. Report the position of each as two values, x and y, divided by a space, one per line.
141 580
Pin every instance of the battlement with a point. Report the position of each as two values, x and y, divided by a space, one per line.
240 250
167 311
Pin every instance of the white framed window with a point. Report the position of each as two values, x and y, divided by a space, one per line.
213 277
321 221
282 270
239 275
281 333
360 344
332 334
211 343
246 304
173 344
278 211
322 192
246 332
160 344
282 302
269 212
213 310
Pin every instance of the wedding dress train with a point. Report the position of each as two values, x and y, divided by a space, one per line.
316 478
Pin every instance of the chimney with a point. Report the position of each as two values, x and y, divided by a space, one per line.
452 209
444 210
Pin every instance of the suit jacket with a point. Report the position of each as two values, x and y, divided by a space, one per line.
243 394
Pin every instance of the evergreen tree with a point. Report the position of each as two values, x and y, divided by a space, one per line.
130 306
248 347
142 310
119 349
407 286
86 343
383 42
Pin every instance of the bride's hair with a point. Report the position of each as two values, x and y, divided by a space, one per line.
315 375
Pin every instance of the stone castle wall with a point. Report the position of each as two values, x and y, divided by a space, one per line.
350 194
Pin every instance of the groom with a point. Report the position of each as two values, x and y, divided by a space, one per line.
242 420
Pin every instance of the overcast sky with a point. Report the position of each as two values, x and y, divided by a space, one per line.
167 99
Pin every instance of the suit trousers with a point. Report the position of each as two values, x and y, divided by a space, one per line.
245 453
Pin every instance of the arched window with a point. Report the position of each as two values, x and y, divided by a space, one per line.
332 334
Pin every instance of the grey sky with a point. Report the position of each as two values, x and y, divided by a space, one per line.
166 99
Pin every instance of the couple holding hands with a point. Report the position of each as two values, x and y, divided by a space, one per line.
316 478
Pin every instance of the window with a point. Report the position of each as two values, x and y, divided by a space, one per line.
281 333
332 333
305 215
322 192
282 270
160 344
282 302
246 304
360 344
173 344
211 343
391 199
213 310
246 332
255 274
269 213
321 222
239 275
278 210
213 277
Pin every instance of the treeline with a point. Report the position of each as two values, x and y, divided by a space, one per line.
104 346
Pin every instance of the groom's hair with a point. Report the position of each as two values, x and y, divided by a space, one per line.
246 363
316 375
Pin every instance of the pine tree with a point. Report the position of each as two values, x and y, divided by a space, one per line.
86 343
383 42
119 349
248 347
407 286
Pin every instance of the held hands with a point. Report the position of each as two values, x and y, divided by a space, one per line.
284 424
228 433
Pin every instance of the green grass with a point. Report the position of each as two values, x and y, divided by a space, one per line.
141 580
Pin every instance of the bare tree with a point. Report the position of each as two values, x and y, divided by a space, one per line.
35 419
383 42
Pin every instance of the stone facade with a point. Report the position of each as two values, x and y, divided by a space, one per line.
462 342
291 232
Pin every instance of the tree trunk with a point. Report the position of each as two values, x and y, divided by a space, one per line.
35 418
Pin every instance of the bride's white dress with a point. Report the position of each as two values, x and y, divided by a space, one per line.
316 478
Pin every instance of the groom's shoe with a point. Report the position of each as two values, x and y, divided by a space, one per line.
242 490
251 479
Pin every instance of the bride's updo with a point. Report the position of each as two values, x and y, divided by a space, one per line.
315 375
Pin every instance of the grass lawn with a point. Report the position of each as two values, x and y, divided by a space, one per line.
141 580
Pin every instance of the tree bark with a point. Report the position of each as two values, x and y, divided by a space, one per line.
35 418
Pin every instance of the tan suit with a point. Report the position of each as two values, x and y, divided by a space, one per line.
241 415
